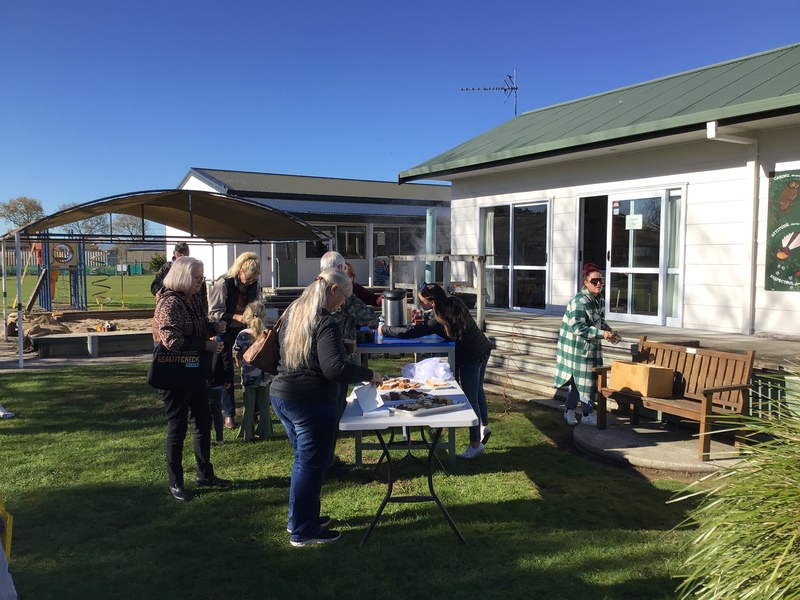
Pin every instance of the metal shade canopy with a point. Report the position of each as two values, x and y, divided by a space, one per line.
214 217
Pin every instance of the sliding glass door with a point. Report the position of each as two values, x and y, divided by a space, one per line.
635 268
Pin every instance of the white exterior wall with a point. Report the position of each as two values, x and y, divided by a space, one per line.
717 208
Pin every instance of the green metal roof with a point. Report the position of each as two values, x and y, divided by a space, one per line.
731 92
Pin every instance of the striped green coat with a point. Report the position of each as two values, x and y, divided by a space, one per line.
579 342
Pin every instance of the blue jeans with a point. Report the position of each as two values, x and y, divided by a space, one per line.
471 380
573 397
341 404
228 402
310 427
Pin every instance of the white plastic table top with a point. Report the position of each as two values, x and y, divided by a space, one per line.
353 418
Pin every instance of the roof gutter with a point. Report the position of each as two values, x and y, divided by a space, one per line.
750 243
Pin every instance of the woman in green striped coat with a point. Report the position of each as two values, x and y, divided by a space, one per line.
579 346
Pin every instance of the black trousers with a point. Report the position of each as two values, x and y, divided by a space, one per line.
182 405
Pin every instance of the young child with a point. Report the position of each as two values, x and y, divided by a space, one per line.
255 382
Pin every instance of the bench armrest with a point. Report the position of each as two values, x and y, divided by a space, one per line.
602 375
726 388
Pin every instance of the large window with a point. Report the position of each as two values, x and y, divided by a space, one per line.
348 240
404 240
351 241
517 279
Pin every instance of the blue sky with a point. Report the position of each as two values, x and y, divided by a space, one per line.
102 98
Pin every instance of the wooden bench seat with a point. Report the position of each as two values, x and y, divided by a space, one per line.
708 383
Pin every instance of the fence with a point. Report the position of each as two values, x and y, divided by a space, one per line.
774 394
96 261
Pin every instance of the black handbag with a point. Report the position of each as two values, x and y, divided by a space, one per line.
170 369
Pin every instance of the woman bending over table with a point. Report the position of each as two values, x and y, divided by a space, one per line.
304 395
450 318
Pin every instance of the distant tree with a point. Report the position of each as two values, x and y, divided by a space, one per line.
21 211
92 226
130 225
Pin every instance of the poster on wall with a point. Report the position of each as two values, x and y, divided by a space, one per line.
783 232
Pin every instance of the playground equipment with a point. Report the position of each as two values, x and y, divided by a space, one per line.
54 260
99 283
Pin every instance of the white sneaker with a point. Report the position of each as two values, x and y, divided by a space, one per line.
569 417
590 419
471 452
4 414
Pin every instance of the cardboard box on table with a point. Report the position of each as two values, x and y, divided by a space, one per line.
642 379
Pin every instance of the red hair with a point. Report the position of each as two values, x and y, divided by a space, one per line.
589 268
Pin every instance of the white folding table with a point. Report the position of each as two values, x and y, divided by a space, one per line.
383 419
432 344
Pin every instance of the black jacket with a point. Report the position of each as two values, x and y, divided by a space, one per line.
328 366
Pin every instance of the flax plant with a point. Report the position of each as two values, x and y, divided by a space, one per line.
747 542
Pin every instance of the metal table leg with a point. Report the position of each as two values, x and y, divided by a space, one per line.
390 486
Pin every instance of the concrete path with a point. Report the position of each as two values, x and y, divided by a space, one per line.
650 445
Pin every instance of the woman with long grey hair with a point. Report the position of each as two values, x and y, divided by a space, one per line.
304 395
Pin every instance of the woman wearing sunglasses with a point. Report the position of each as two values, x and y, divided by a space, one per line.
579 346
450 318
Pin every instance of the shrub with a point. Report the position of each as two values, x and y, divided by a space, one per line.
158 261
748 523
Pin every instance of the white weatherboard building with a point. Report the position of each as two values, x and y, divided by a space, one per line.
682 190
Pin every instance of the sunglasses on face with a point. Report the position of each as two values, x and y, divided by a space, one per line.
596 281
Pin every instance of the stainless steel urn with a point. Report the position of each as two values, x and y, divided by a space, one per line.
394 307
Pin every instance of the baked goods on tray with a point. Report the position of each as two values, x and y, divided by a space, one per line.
406 395
398 383
427 405
436 382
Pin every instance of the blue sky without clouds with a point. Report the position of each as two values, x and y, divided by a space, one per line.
102 98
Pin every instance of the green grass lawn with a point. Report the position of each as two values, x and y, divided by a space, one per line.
114 291
82 471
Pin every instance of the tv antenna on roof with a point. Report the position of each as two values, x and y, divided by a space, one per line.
509 88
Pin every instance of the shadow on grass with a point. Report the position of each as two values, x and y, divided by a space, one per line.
117 541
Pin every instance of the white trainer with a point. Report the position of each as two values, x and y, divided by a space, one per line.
569 417
471 452
590 419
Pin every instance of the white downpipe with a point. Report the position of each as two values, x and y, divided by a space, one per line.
750 241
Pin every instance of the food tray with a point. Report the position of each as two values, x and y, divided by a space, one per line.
423 412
